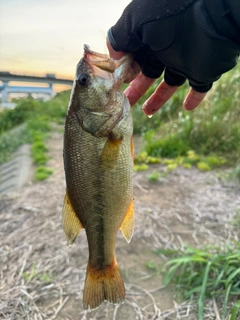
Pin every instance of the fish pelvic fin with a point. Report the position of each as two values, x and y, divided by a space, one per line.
127 226
110 153
103 284
71 223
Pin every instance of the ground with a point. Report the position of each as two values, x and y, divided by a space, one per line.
42 278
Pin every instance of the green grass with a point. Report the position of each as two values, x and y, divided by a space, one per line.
42 173
34 274
38 150
203 163
205 273
212 128
235 174
154 176
236 218
10 141
31 122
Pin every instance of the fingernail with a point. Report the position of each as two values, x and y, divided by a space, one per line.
145 109
188 105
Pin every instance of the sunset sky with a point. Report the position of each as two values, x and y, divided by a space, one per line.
47 36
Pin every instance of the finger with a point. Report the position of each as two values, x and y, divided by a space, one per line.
116 55
133 71
193 99
137 88
161 95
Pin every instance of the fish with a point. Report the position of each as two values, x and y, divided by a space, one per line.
98 162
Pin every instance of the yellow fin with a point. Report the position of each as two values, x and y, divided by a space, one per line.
71 224
103 284
110 153
132 149
127 226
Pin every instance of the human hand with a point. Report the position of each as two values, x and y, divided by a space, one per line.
139 84
178 39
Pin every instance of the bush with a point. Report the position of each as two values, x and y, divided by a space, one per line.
213 127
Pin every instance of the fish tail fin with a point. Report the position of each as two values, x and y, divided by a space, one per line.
104 284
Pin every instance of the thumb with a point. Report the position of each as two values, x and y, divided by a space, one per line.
116 55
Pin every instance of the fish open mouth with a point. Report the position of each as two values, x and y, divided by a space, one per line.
102 65
102 61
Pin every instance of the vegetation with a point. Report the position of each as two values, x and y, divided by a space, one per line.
42 173
33 274
206 138
31 122
212 128
205 273
203 163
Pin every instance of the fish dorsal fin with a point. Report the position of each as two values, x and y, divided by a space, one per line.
127 226
110 153
71 223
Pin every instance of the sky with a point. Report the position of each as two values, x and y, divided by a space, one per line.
47 36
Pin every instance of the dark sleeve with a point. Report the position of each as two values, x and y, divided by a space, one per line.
225 18
139 23
193 39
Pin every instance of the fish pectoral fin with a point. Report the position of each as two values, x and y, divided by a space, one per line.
132 149
71 223
127 226
110 153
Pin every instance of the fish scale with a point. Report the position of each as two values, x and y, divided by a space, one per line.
98 152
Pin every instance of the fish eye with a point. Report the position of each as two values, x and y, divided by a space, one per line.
82 79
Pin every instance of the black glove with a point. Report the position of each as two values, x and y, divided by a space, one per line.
197 40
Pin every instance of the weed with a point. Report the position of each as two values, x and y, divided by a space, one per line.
10 141
38 150
172 167
203 166
235 311
143 157
33 274
204 273
151 265
235 174
154 176
140 167
42 173
205 130
170 146
28 276
236 218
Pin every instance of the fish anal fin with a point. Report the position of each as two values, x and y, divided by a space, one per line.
103 284
71 223
127 226
110 153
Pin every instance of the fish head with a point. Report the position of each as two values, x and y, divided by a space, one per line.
96 95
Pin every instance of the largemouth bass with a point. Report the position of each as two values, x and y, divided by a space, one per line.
98 161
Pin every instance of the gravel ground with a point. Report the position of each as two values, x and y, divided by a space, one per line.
42 278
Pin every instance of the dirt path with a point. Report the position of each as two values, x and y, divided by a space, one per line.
41 278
